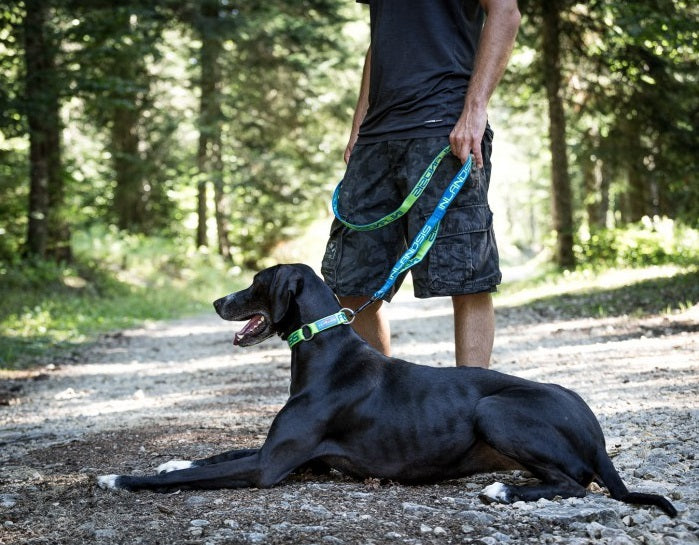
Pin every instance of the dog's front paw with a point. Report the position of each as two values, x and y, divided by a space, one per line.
108 482
173 465
496 492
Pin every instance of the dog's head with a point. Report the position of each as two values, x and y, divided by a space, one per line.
268 305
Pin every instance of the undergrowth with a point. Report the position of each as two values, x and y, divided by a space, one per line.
586 293
114 282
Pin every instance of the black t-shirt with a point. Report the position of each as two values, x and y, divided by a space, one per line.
422 57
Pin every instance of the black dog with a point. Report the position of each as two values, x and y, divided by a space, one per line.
366 415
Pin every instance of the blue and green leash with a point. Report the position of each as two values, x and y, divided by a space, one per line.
415 253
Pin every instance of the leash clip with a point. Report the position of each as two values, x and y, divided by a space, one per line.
349 315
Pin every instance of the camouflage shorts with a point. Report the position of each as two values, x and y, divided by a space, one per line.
463 259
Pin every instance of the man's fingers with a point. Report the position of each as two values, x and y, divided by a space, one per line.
459 148
462 150
478 156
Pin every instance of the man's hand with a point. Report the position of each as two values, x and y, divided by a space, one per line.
467 134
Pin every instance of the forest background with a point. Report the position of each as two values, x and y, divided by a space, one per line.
153 153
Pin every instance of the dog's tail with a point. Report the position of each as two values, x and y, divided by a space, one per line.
617 489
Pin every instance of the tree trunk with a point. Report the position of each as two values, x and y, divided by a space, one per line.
128 70
201 237
222 221
587 168
47 234
637 177
129 192
605 178
210 118
596 192
560 179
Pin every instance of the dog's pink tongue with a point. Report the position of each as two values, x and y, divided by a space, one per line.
247 329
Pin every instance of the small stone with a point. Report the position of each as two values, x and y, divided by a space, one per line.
501 538
194 501
416 508
199 523
256 537
8 501
439 531
594 530
106 534
317 510
476 517
424 529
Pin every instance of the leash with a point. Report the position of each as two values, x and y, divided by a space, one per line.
413 196
415 253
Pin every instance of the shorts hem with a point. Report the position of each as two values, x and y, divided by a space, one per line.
490 286
349 292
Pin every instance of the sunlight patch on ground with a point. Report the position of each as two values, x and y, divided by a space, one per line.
586 280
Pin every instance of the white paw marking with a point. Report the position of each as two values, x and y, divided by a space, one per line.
107 482
495 492
174 465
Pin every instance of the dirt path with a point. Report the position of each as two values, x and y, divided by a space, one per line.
181 390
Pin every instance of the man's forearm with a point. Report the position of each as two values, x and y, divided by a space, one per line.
363 100
362 105
494 50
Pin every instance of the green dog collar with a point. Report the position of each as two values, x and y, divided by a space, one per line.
308 331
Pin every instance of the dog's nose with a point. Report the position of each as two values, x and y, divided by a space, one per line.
218 304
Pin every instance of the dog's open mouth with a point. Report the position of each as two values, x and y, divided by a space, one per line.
253 332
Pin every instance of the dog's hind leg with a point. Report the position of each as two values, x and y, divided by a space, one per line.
562 486
549 433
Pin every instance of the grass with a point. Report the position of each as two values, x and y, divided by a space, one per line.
613 292
46 310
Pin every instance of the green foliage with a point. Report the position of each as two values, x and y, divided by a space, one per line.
117 281
656 241
632 101
131 75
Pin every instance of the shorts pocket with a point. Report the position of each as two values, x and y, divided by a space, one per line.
333 253
463 244
461 220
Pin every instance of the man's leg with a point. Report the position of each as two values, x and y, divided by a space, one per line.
371 324
474 329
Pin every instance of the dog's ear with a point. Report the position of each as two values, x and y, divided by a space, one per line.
286 285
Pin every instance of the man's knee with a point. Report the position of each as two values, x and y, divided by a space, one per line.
473 302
